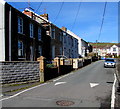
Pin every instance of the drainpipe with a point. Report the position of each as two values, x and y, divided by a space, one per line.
10 34
50 33
63 44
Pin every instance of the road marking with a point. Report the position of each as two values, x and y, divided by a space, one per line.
62 77
58 83
23 92
33 88
113 93
93 84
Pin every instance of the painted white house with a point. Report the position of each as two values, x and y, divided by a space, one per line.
79 41
70 46
113 50
83 46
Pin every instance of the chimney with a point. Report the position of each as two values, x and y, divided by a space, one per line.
64 29
44 16
28 12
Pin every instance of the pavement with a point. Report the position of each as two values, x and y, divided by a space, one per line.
11 89
118 85
90 86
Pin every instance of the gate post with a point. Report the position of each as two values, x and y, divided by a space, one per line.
57 60
42 65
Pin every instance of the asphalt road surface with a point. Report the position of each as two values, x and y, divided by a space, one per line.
90 86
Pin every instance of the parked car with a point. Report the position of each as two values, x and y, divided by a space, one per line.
102 58
110 62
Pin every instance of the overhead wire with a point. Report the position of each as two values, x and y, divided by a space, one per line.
102 21
59 11
76 16
39 6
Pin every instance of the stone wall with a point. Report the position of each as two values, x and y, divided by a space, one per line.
14 72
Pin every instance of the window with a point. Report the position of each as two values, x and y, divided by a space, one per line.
53 33
72 40
61 52
69 38
114 49
64 38
39 51
61 37
20 25
64 34
31 30
20 48
39 33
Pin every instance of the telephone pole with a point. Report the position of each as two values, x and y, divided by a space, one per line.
29 7
96 48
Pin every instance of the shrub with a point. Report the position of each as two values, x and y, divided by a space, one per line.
50 65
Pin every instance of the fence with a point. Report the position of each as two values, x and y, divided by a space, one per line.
22 71
77 63
14 72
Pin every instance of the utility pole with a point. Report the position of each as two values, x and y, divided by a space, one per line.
29 7
96 48
44 10
28 4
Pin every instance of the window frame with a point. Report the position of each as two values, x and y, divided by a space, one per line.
39 34
20 49
20 25
114 49
53 34
31 27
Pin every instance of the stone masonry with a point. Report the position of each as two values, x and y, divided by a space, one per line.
14 72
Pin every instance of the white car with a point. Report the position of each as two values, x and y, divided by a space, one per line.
110 62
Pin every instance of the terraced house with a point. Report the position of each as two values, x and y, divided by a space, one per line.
25 36
61 41
21 38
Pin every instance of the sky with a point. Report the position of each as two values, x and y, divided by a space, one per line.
82 18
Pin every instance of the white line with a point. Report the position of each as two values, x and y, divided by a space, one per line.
23 92
58 83
33 88
93 84
62 77
113 93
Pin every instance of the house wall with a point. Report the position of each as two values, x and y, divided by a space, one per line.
12 36
2 31
78 42
70 46
112 52
56 41
84 48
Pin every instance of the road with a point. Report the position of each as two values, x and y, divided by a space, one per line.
90 86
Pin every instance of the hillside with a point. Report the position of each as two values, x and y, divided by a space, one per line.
102 45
